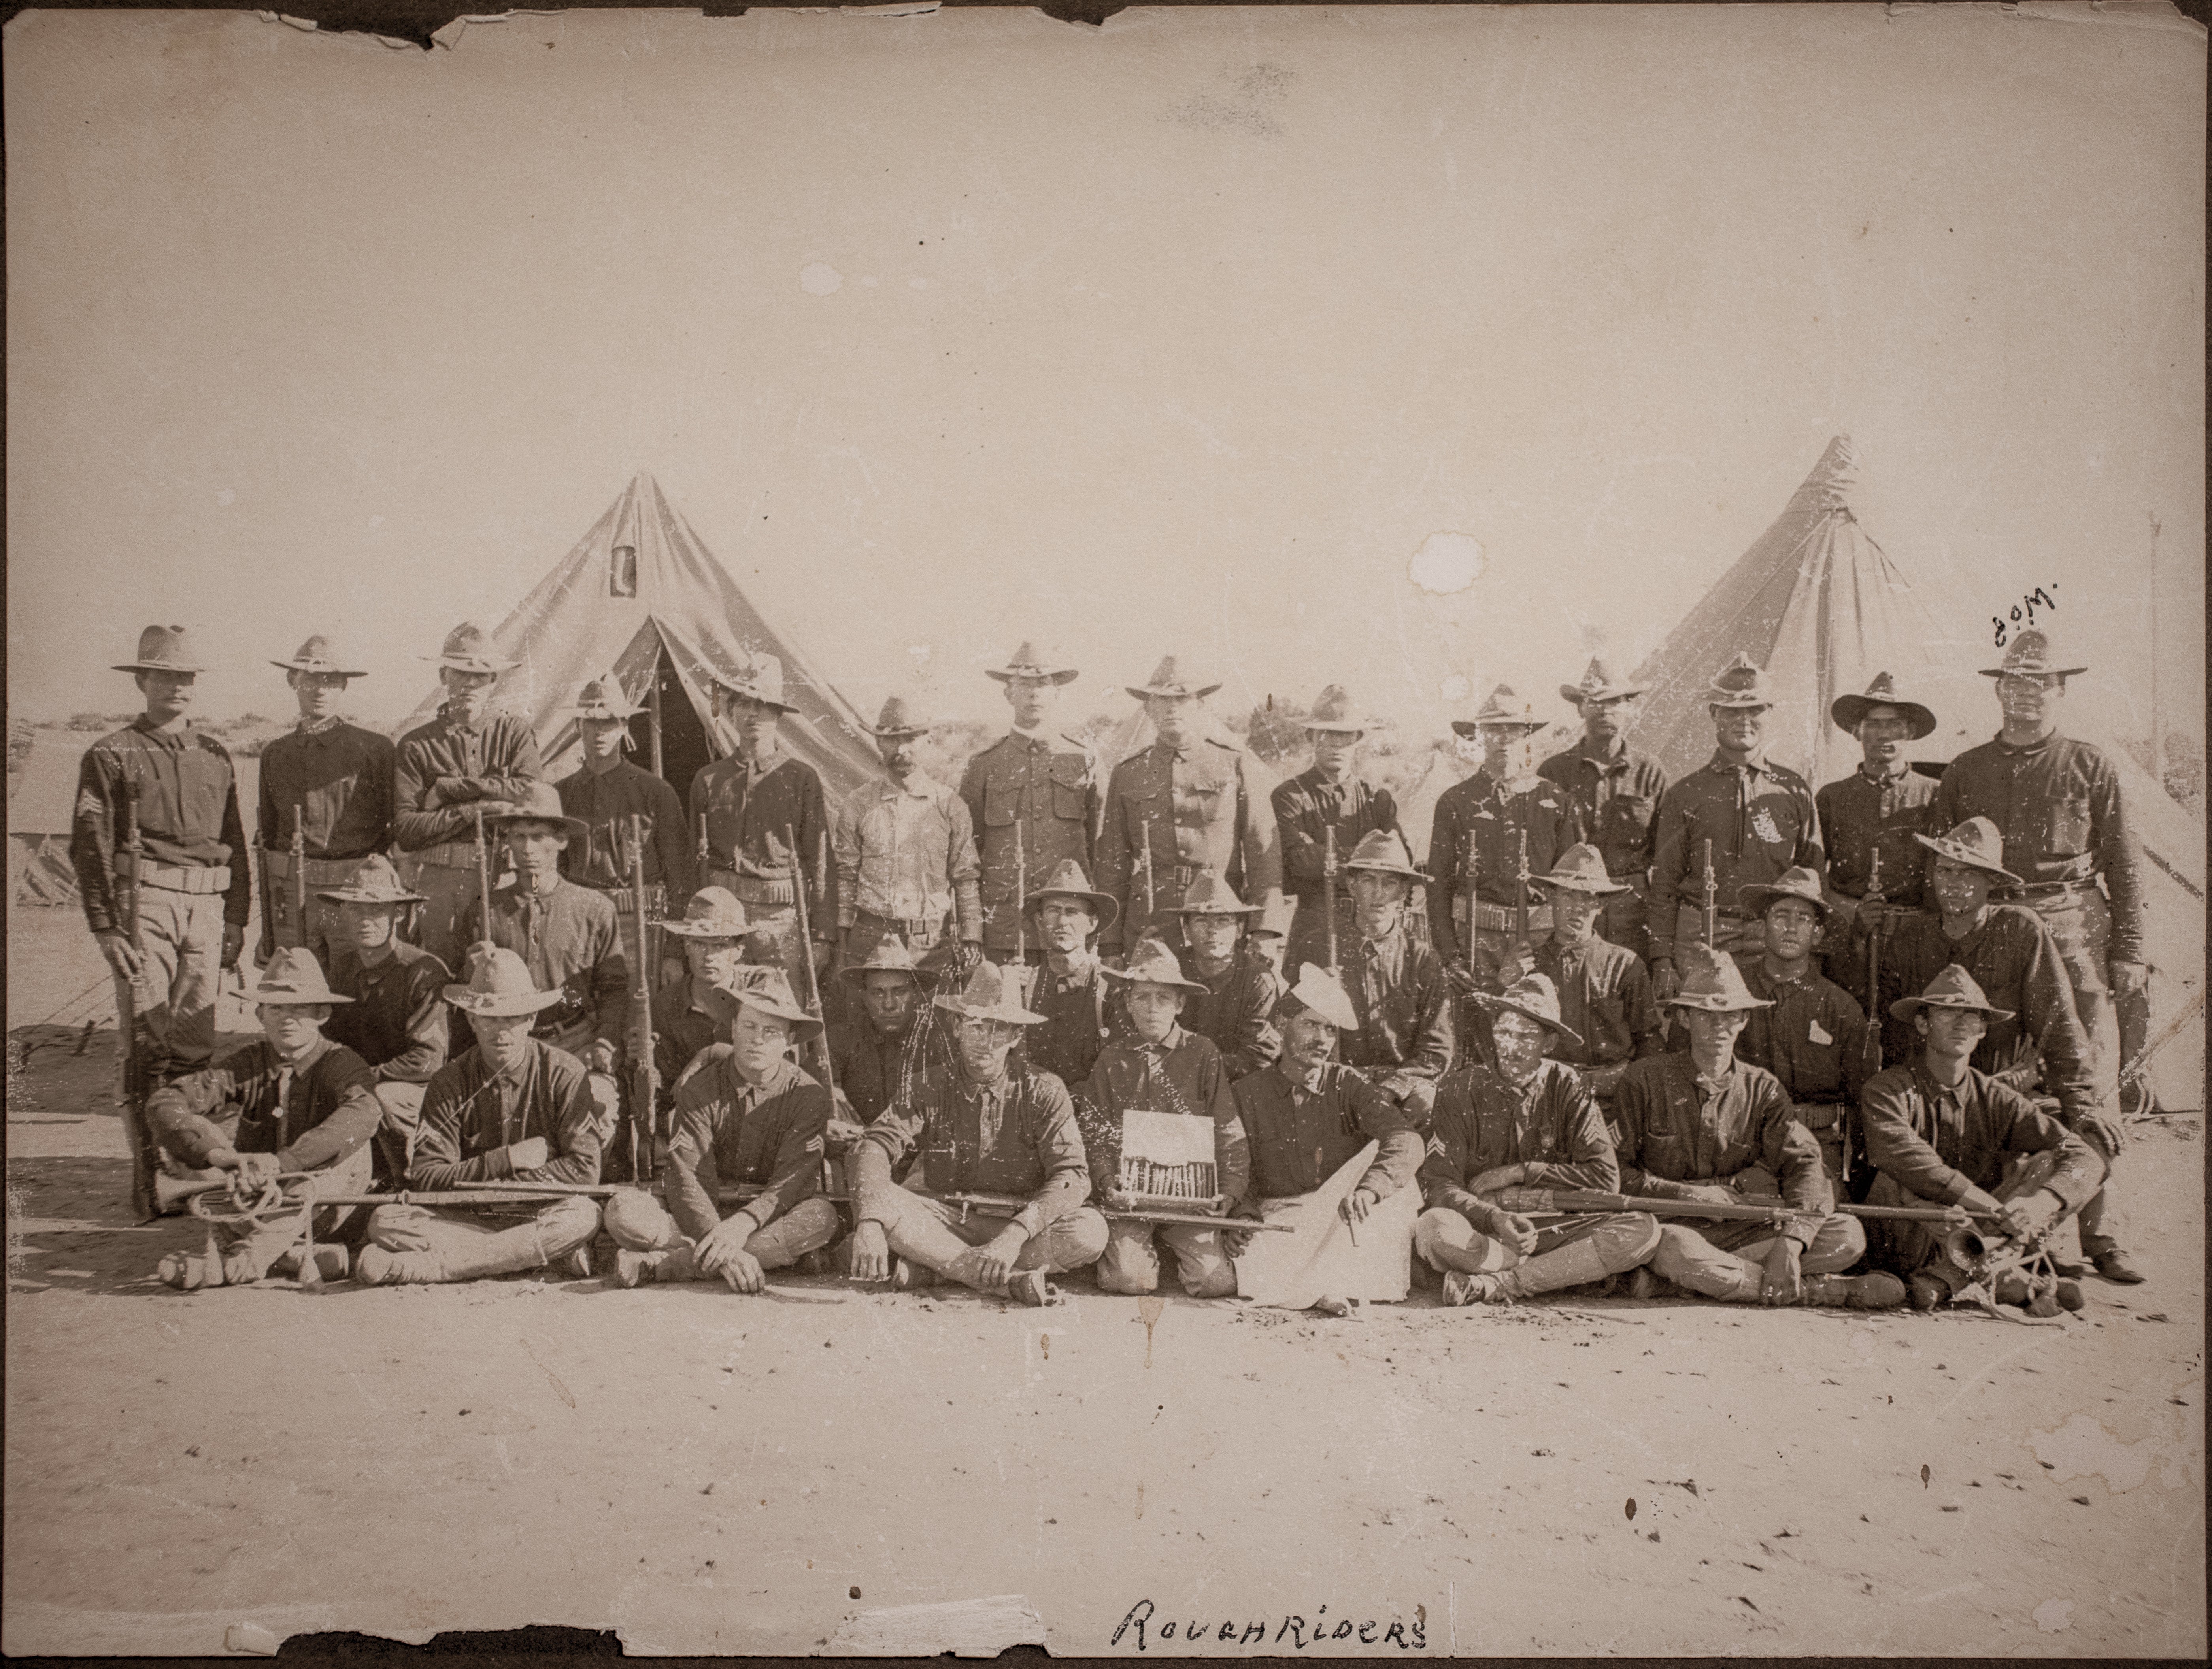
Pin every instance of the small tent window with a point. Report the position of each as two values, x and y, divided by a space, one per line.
622 571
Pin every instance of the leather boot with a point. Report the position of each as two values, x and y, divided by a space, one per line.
1866 1292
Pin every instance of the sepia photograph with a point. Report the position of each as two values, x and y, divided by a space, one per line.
1365 830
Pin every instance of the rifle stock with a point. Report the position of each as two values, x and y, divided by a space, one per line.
137 1067
300 872
1328 888
645 1090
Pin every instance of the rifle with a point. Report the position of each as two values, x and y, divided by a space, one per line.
300 872
1754 1208
483 879
1007 1204
138 1066
645 1088
706 851
1521 897
1873 1046
1021 900
1152 900
813 992
1471 873
1712 926
1328 888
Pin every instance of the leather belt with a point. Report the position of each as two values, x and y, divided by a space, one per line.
277 865
194 878
450 854
2045 889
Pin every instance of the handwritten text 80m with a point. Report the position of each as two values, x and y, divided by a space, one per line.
1402 1636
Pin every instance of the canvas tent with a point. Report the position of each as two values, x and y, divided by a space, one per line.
640 596
41 799
1817 603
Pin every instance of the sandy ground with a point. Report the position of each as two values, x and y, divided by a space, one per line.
706 1472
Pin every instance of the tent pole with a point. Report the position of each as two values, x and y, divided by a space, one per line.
652 705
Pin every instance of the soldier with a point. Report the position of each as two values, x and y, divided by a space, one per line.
1879 807
1701 1125
875 1053
750 1119
290 1102
467 762
1938 1130
1397 984
603 795
566 935
1069 987
715 935
1326 796
750 801
1608 1016
1306 1116
1032 796
906 854
1812 1035
1191 803
177 785
511 1109
988 1125
1483 825
2059 804
2033 1029
395 1015
1527 1122
334 780
1232 1013
1615 792
1162 1068
1757 817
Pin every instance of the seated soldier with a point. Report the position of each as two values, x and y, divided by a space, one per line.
1939 1131
1162 1068
1525 1122
890 1040
983 1124
1240 982
1305 1118
1397 984
1066 916
1701 1125
394 1019
748 1122
1605 992
716 940
512 1109
1812 1035
567 937
292 1101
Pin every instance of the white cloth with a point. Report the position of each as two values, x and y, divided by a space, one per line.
1322 1258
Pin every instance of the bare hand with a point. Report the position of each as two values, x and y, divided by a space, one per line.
122 956
1357 1205
871 1253
2031 1217
2127 979
529 1154
1234 1240
1665 981
234 942
726 1256
2101 1132
998 1255
841 1133
1785 1279
1711 1195
600 1057
1519 1233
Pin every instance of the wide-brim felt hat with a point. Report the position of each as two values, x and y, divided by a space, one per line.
1581 869
1598 685
1028 661
1713 984
762 681
992 992
319 654
1849 711
604 698
1953 988
711 912
1152 963
1741 683
541 805
470 648
1800 883
764 989
1321 993
499 984
1977 843
889 954
1332 710
1533 997
163 649
1066 879
1503 710
293 978
2030 655
1171 677
900 717
1208 894
375 882
1381 851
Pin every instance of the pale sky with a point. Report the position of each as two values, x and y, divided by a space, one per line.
1181 333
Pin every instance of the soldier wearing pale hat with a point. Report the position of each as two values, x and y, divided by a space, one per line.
1397 985
395 1018
1033 796
1233 1011
717 941
1604 992
512 1108
1616 793
986 1123
470 760
1758 816
1192 801
751 803
906 852
1701 1125
1326 796
1941 1132
1069 987
331 779
193 891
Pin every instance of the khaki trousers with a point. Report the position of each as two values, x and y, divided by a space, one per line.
1572 1252
933 1234
636 1221
180 953
1727 1260
473 1244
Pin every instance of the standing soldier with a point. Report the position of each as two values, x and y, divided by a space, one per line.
603 795
906 854
1241 983
176 782
748 802
1483 826
1032 797
1756 817
395 1018
1616 794
1185 804
467 761
1397 984
1326 796
1878 808
1608 1014
331 779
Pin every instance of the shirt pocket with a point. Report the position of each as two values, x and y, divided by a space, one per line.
1068 794
1002 801
2067 826
1625 819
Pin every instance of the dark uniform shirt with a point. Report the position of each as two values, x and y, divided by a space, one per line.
1814 1039
1605 998
470 1118
870 1064
1232 1012
1307 804
1182 1074
2015 961
1299 1137
569 939
1550 1125
680 1030
339 778
443 766
310 1118
1860 814
1045 788
1762 821
1015 1136
1487 818
1400 992
1615 798
748 811
1198 808
187 815
396 1020
1081 1012
2064 818
1938 1142
1670 1132
605 804
730 1133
